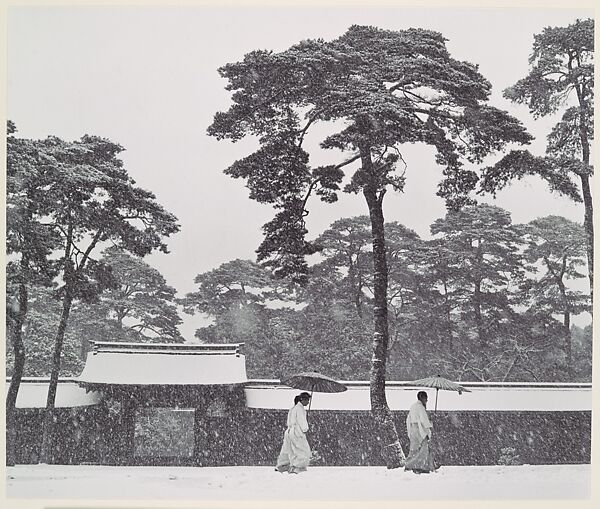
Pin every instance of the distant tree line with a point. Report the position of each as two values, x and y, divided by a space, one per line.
483 300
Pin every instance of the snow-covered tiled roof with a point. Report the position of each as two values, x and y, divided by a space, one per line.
164 364
400 395
34 391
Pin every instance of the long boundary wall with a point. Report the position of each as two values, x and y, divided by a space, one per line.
494 423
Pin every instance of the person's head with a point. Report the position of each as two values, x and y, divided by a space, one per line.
304 398
422 397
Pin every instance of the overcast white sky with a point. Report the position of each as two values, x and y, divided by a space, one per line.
146 77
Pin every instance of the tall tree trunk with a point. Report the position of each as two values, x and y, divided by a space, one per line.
70 277
588 225
17 340
50 413
19 366
392 452
588 217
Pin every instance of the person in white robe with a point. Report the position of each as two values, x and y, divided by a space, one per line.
419 428
295 452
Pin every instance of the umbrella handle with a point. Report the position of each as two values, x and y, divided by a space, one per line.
436 395
310 400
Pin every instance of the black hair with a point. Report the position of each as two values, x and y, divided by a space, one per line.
301 396
421 395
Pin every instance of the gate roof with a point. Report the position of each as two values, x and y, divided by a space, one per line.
164 364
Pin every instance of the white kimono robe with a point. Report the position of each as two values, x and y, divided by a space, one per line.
419 429
417 415
295 452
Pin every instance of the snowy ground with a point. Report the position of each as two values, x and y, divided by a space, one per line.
318 483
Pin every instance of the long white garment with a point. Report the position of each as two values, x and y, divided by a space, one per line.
296 419
417 415
420 458
295 452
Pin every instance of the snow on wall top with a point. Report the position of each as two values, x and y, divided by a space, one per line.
401 395
270 394
164 364
34 391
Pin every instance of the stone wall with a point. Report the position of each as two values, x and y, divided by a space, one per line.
242 436
460 438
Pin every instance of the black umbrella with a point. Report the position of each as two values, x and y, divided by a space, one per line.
312 381
439 382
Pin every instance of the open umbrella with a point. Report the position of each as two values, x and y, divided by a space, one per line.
312 381
439 382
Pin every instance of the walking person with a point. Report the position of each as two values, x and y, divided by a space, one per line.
419 428
295 451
